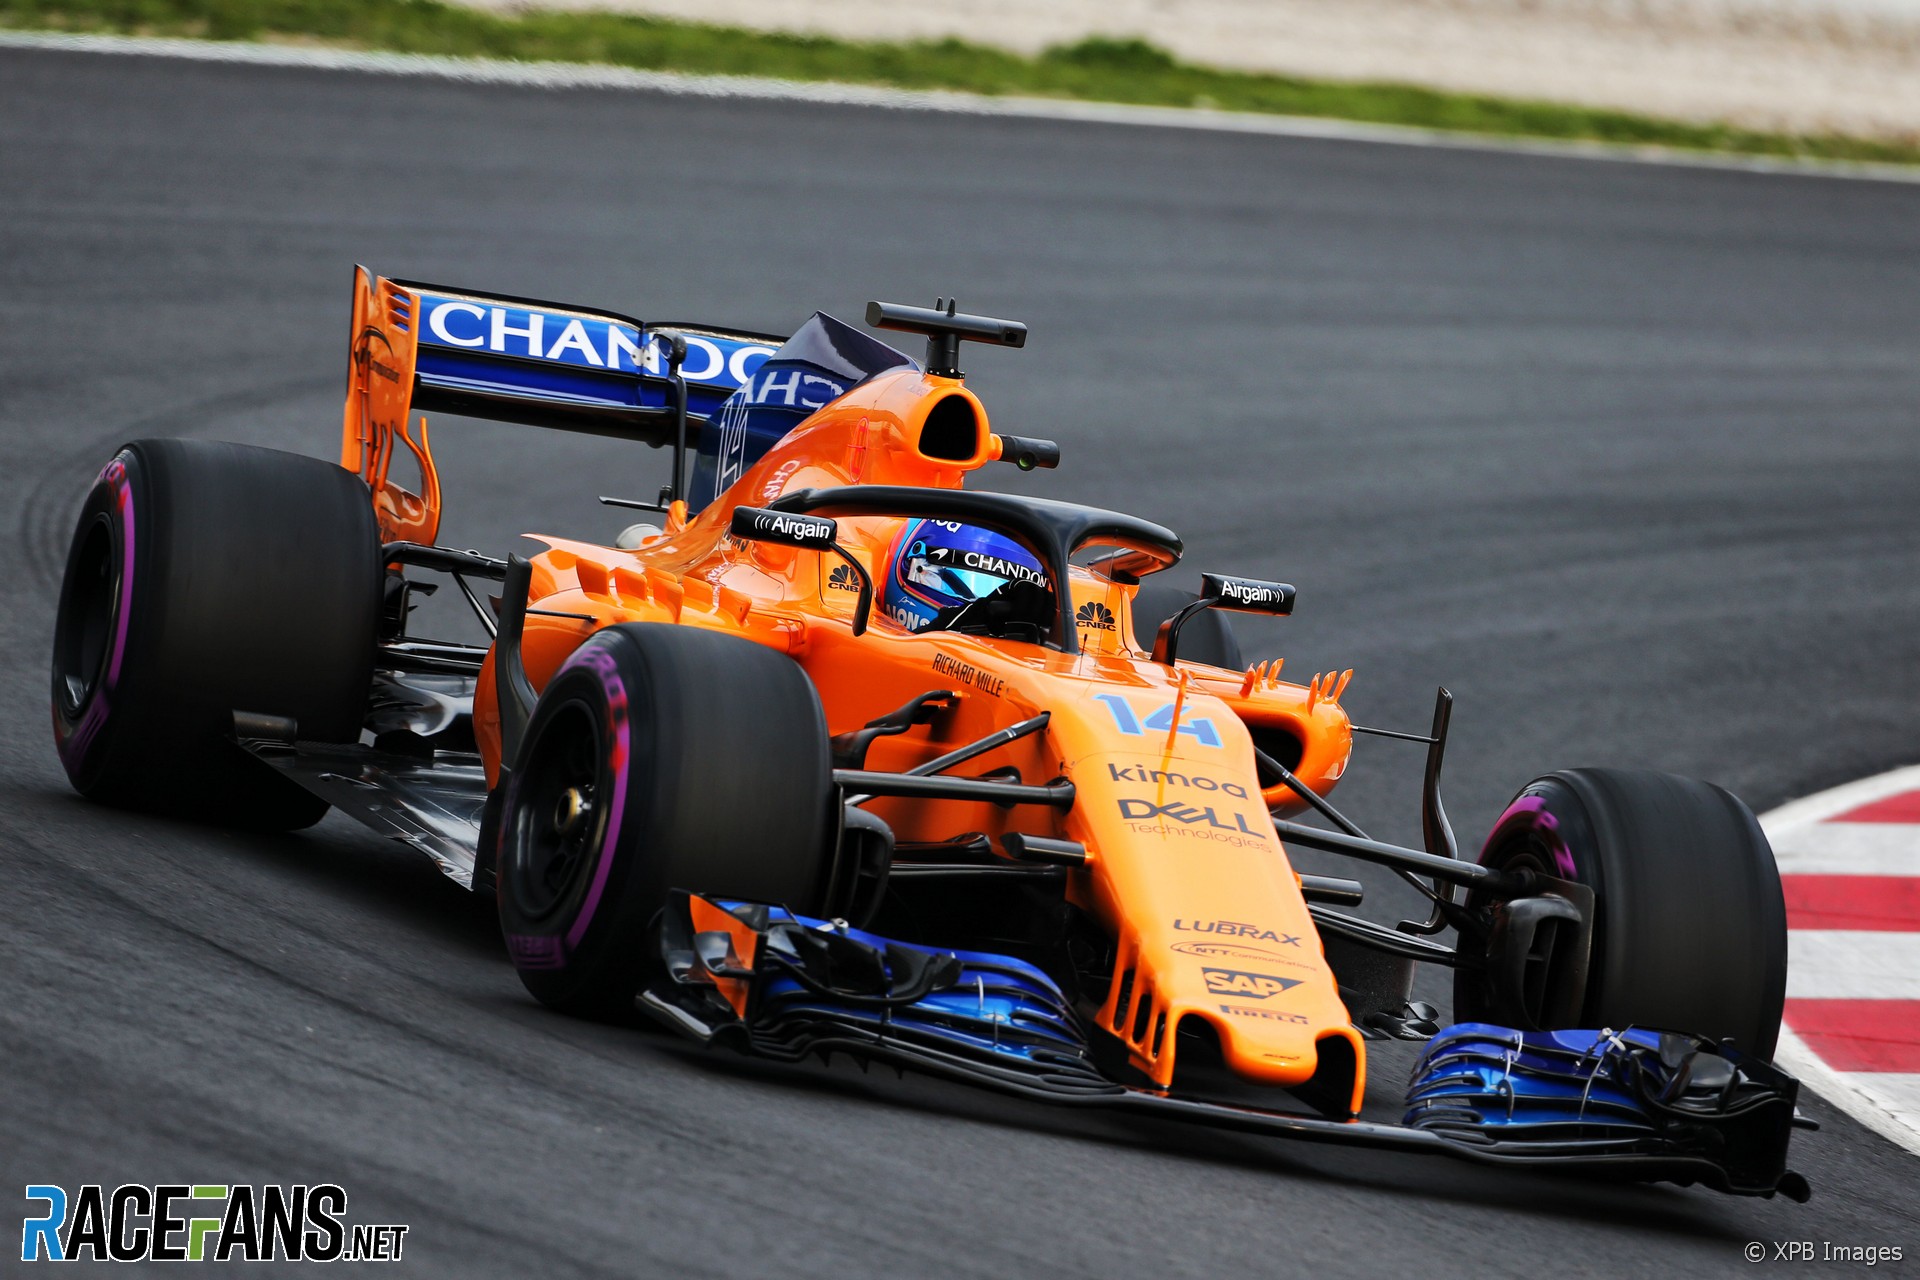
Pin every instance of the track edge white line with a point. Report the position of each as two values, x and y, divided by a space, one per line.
580 75
1793 1053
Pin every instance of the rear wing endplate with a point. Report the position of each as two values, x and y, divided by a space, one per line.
425 347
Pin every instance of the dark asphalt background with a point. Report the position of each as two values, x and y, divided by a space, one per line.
1626 455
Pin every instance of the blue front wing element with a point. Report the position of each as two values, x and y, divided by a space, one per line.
1630 1104
819 985
1636 1090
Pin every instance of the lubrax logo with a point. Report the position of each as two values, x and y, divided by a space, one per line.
1235 929
177 1222
1252 986
1192 781
1185 814
842 579
1095 615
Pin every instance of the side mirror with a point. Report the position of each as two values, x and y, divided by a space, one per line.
811 533
1247 595
1243 595
808 533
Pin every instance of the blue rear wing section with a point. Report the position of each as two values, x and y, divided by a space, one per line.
551 365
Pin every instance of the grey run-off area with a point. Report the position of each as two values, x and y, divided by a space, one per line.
1625 455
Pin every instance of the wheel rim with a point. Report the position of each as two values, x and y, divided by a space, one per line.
87 621
557 823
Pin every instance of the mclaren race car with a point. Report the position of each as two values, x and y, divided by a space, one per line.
834 755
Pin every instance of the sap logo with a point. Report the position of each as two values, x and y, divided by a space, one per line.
1234 929
1197 782
1159 721
1145 810
1094 616
842 579
1252 986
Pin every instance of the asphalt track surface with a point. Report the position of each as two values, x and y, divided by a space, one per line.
1627 456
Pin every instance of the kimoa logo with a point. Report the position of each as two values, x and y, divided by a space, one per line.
1095 615
1193 781
1251 986
842 579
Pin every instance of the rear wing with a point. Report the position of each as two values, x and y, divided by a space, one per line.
424 347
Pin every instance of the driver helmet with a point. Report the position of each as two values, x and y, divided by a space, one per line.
937 565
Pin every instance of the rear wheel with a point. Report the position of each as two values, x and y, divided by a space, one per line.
206 578
659 757
1690 928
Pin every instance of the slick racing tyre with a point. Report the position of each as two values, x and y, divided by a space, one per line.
658 757
1690 930
1207 637
206 578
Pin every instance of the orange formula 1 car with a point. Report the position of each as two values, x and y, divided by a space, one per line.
840 755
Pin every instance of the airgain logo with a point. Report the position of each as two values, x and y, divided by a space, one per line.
842 579
1096 615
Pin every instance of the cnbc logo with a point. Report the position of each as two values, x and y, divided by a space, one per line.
843 579
1095 615
181 1222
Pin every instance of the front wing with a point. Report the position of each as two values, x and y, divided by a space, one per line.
1636 1104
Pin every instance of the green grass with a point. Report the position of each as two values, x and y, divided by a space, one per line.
1100 70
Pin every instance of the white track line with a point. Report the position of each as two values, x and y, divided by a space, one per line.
1888 1103
567 75
1833 965
1848 849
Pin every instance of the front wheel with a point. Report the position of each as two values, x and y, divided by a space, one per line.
1690 926
659 757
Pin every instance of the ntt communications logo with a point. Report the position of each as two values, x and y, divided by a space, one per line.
178 1222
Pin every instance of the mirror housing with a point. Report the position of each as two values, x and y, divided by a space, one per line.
785 528
807 533
1028 452
1248 595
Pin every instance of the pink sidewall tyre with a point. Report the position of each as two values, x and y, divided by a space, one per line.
659 757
